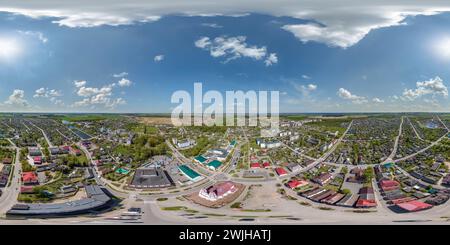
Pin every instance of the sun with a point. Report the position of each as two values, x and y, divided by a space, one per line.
9 48
442 47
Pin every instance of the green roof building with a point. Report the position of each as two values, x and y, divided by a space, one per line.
188 172
214 165
200 159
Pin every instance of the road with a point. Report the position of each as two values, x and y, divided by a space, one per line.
12 189
323 157
45 135
394 151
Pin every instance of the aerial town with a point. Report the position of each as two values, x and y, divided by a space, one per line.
132 168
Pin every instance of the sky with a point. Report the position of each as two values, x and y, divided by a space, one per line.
383 56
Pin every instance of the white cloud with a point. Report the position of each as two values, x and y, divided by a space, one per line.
47 93
17 98
124 82
50 94
306 77
233 48
158 58
36 34
79 84
434 86
212 25
271 59
90 91
93 96
203 42
120 75
377 100
304 89
347 95
339 26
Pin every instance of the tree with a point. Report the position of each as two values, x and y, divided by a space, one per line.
368 174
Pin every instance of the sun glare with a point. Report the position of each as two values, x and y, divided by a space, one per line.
9 48
442 47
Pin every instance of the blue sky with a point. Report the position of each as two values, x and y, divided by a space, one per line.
55 64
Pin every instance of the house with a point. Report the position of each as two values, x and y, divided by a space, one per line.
218 191
255 165
366 190
321 196
313 192
414 206
266 165
29 178
387 185
323 179
446 180
281 172
365 203
26 189
333 198
348 201
34 151
297 183
37 160
436 166
294 167
54 150
7 160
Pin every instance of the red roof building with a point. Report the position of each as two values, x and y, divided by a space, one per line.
413 206
26 189
388 185
255 165
29 178
297 183
281 171
37 160
266 165
218 191
364 203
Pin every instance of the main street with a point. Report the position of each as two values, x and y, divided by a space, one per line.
12 189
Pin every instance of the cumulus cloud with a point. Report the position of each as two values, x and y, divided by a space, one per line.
306 77
434 86
158 58
50 94
39 35
124 82
305 90
233 48
103 96
330 22
212 25
17 98
46 93
120 75
271 59
377 100
347 95
79 84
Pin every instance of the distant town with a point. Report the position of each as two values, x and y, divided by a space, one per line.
319 169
